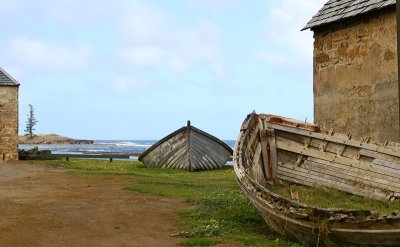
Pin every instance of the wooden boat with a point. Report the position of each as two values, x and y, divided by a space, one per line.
273 149
188 148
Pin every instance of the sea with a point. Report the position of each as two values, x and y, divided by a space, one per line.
132 147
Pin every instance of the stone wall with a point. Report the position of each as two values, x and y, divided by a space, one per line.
9 122
355 77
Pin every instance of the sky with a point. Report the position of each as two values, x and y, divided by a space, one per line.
139 69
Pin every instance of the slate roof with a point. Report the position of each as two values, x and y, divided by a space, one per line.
6 79
336 10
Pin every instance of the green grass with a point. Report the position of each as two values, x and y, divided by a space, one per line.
96 166
221 211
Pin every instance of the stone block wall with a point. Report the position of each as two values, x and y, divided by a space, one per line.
355 77
9 122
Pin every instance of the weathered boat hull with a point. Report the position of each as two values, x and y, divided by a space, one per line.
188 148
271 148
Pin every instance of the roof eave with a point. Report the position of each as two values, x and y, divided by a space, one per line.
9 85
325 24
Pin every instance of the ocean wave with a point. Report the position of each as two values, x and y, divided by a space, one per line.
126 144
122 144
143 145
92 150
65 152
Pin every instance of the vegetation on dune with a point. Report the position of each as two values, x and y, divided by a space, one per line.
221 211
50 139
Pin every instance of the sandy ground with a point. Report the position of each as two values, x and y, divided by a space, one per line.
46 206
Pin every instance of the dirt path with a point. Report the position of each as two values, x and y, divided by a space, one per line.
45 206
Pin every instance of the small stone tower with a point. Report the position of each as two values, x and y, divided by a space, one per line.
355 68
8 117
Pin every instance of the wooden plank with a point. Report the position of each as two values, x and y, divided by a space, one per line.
310 143
289 122
307 142
299 149
273 154
269 154
189 144
197 162
299 160
351 176
177 159
314 181
293 147
248 121
257 154
215 154
353 143
392 165
257 173
328 179
332 180
265 155
325 143
211 153
377 155
201 161
213 148
254 134
356 173
174 155
162 153
309 178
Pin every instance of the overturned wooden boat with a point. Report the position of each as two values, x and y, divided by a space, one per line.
188 148
271 149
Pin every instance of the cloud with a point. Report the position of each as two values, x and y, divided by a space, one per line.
293 45
36 54
140 22
123 84
153 38
214 5
144 56
9 5
79 13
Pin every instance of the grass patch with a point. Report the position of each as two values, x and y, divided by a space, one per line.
96 166
221 212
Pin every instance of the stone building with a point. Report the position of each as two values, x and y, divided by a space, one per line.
8 117
355 68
